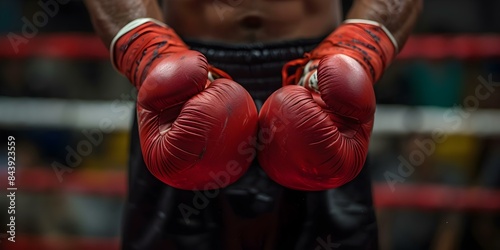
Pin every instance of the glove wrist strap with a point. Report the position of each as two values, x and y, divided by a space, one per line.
127 28
138 44
386 31
368 42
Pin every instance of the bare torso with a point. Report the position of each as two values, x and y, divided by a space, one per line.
247 21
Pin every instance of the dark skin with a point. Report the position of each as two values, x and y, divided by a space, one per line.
244 21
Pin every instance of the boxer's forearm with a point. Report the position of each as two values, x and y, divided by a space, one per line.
399 16
109 16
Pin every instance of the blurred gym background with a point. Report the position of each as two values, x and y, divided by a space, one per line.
435 151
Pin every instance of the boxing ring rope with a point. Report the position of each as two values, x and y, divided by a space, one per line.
76 114
113 183
89 47
390 120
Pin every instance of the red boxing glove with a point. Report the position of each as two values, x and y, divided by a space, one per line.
322 119
189 127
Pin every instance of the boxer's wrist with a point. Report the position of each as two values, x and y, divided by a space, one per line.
138 44
109 16
399 17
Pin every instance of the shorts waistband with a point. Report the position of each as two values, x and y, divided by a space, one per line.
257 67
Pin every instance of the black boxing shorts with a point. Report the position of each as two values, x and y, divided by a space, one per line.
254 212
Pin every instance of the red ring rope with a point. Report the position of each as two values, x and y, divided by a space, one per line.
89 47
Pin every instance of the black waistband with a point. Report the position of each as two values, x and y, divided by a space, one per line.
257 67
